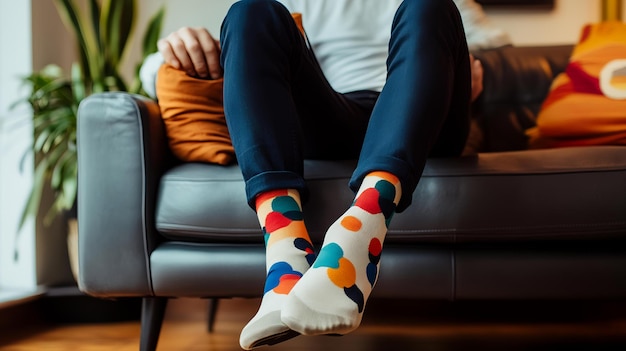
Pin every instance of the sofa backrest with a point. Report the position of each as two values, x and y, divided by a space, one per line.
516 81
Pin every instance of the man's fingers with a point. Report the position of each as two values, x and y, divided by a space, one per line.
193 50
213 60
205 54
168 53
175 53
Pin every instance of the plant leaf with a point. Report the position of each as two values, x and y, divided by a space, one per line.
57 179
88 44
79 90
149 45
94 10
70 182
34 198
153 32
71 18
116 24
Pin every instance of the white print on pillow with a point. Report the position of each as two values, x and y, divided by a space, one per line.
613 79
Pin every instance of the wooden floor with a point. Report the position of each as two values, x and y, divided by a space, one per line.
388 325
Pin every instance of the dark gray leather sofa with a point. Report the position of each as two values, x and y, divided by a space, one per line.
505 223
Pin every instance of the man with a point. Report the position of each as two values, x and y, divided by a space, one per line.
387 82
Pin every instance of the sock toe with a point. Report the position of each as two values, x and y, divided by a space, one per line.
297 316
265 330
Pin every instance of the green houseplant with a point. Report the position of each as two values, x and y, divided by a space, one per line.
102 29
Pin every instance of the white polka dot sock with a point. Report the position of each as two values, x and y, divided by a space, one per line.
289 253
331 296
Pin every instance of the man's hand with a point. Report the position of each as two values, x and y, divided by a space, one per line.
477 77
193 50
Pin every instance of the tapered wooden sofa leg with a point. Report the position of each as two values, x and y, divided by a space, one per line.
152 313
213 305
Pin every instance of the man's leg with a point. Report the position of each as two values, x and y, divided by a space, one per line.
278 104
423 110
428 87
289 253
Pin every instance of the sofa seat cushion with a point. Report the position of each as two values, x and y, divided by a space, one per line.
519 196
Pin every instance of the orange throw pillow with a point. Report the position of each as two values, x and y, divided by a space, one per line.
586 104
193 112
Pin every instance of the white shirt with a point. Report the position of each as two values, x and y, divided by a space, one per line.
352 56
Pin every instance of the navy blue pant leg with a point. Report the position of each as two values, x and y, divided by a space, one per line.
279 106
423 110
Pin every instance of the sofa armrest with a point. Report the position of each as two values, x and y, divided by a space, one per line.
122 150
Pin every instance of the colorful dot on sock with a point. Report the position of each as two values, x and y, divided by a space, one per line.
375 249
275 221
345 275
356 295
270 195
386 176
387 193
295 229
266 236
368 201
329 256
386 189
280 273
351 223
286 283
306 246
288 207
372 273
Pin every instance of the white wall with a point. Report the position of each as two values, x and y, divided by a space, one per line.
202 13
560 25
52 42
15 138
178 13
526 27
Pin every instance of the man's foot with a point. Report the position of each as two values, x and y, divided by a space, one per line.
331 296
289 253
